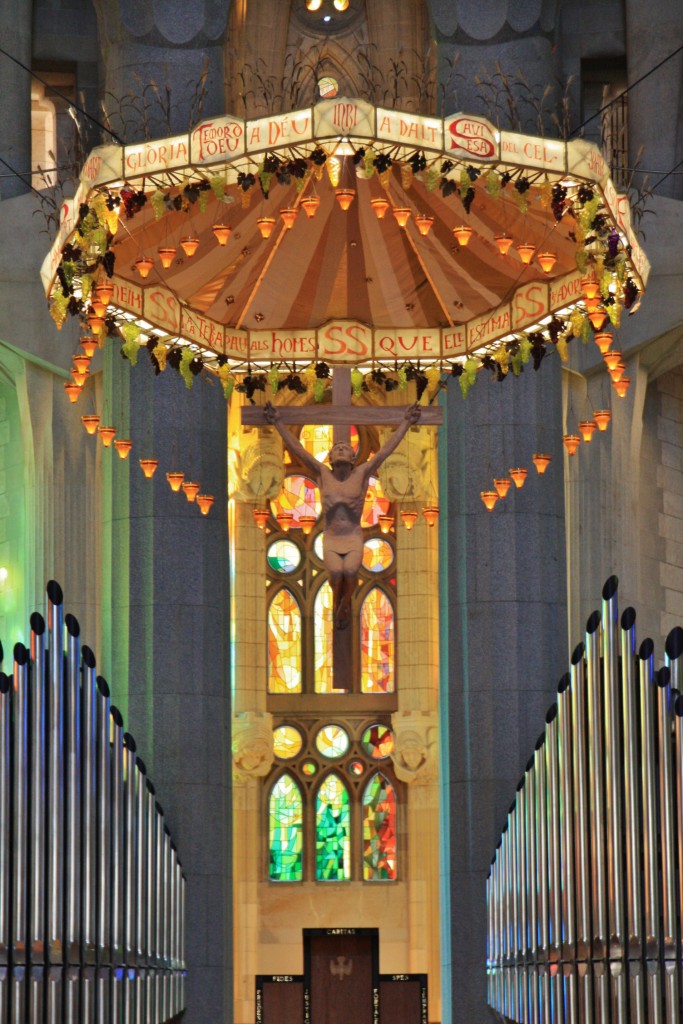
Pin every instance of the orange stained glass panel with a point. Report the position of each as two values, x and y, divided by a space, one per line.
322 639
376 504
298 495
377 643
284 643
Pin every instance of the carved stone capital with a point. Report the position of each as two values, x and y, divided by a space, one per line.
416 747
252 744
404 475
258 466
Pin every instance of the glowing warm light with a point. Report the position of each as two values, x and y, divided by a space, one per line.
190 489
503 242
587 429
333 165
313 5
167 255
592 304
189 245
547 261
463 234
622 386
591 287
289 215
82 362
603 339
265 226
143 265
90 423
597 317
307 523
341 5
489 498
79 375
541 462
95 323
345 197
617 372
98 307
261 517
284 520
123 448
175 479
519 475
502 485
602 417
3 574
612 359
107 435
424 223
148 467
112 220
104 291
205 501
385 523
402 215
310 205
409 517
73 390
380 206
89 346
431 514
222 233
526 252
571 442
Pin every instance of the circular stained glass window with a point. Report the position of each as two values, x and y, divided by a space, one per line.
356 767
309 768
300 496
378 554
284 556
332 741
377 741
287 741
318 546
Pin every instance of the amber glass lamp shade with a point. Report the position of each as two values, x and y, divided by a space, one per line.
603 339
502 485
98 307
107 435
489 498
402 215
222 233
612 359
431 514
503 242
622 386
175 479
463 233
89 346
617 372
79 375
190 489
166 255
380 206
547 261
265 226
519 475
95 323
526 252
73 391
82 362
205 501
90 423
307 523
571 442
284 520
602 417
123 448
424 223
104 291
190 244
149 467
345 197
597 317
541 461
143 265
409 517
289 215
587 428
590 287
385 523
310 205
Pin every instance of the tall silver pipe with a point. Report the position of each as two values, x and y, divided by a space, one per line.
582 878
564 763
514 908
166 899
89 810
103 995
20 804
554 847
596 788
103 811
72 992
36 888
141 864
72 803
636 992
506 919
673 655
35 995
150 896
54 988
634 927
522 876
5 812
117 824
540 779
667 840
55 775
88 996
129 849
531 834
173 907
159 919
17 999
613 768
649 799
4 992
584 991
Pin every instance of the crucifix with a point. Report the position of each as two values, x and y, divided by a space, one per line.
343 487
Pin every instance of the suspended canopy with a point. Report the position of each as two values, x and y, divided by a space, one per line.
282 273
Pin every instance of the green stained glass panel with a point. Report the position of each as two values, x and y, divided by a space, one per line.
333 832
286 831
284 643
332 741
284 556
377 554
379 830
322 639
309 768
377 741
377 643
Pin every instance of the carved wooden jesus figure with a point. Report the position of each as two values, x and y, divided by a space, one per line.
342 488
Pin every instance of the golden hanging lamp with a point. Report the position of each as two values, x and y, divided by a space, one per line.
73 391
205 501
502 485
289 215
79 375
587 428
402 215
603 339
123 448
618 372
265 226
107 435
571 442
284 520
602 417
590 287
104 291
149 467
541 461
190 489
307 523
463 233
431 514
95 323
547 261
489 498
143 265
380 205
175 479
345 197
409 517
424 223
310 205
622 386
612 358
385 523
222 233
166 254
90 423
503 242
519 475
89 345
526 252
597 317
189 244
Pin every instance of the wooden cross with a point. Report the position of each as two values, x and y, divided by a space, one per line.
342 415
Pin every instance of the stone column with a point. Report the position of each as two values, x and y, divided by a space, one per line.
504 612
15 113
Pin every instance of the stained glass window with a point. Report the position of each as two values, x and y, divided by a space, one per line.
284 556
376 504
377 643
333 831
379 830
286 831
322 639
377 741
378 554
332 741
284 643
287 741
298 495
309 768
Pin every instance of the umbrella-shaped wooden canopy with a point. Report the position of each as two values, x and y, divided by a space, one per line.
282 272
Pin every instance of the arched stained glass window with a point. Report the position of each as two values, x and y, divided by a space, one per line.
285 837
375 504
379 830
332 832
377 643
322 639
284 643
300 496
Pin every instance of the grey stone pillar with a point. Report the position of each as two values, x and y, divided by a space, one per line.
15 87
655 114
505 609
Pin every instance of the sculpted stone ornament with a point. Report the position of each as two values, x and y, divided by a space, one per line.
342 490
252 744
258 468
415 753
